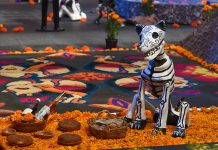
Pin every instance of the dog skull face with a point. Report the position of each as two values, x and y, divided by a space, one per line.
151 39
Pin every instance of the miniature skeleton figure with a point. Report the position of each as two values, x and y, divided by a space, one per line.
159 77
72 9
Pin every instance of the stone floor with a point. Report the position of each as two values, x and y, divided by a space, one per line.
22 14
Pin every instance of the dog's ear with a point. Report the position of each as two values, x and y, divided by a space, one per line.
139 28
161 25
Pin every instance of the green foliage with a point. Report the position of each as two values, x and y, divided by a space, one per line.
208 14
112 28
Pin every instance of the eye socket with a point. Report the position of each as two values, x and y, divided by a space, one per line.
155 35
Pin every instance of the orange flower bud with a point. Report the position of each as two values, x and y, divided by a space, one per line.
83 20
32 2
28 49
214 5
144 1
85 48
48 49
204 109
51 14
121 20
194 24
213 108
3 29
18 29
175 25
115 16
1 26
49 19
69 48
194 110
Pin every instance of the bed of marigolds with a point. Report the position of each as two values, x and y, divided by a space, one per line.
85 49
202 130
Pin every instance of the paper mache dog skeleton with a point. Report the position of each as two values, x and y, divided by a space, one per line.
159 77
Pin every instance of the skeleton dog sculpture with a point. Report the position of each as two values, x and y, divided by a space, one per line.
159 77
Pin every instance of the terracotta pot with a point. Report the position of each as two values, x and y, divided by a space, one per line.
111 43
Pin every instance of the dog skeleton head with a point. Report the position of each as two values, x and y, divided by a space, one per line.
151 39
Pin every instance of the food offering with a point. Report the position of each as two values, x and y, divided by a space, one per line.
69 139
30 119
19 140
68 125
43 134
107 128
8 131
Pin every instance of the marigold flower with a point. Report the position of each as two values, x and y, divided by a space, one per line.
28 49
69 48
49 19
51 14
214 5
3 29
28 117
48 49
197 133
207 8
114 49
18 112
135 46
115 16
1 26
83 20
204 109
213 108
18 29
175 25
144 1
194 24
17 52
85 48
194 110
32 2
112 13
121 20
60 50
121 49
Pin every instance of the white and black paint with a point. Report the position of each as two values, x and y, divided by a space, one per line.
159 76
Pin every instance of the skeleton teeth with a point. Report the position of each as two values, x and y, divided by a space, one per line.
152 51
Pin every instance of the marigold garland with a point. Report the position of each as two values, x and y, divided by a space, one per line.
188 54
85 48
202 130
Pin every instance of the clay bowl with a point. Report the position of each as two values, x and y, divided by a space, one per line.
28 126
